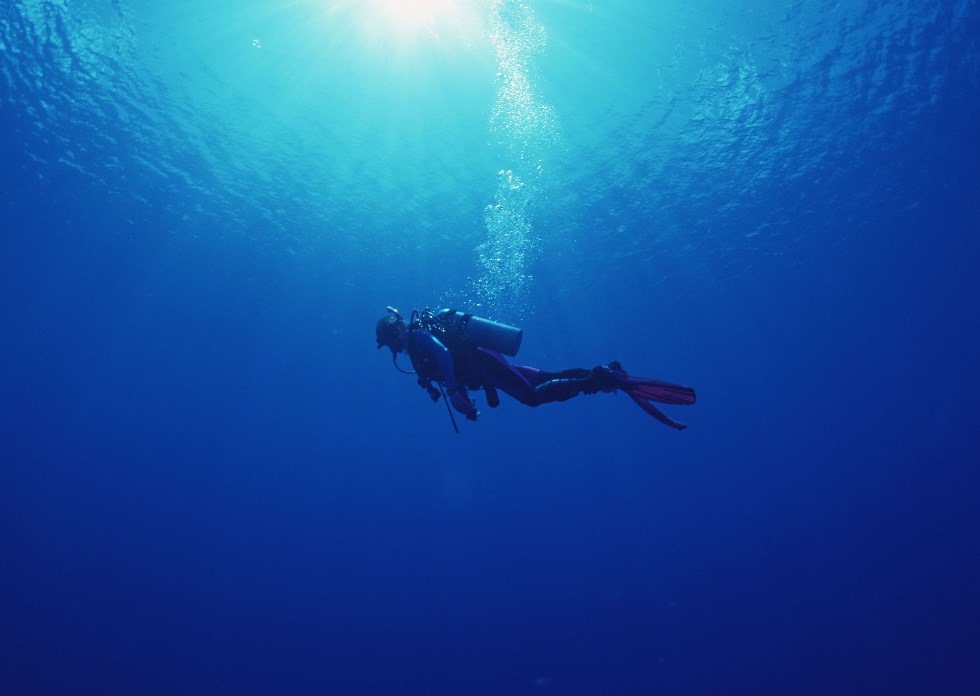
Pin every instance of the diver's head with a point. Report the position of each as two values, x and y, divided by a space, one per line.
391 331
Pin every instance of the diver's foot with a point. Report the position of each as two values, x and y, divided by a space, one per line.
609 377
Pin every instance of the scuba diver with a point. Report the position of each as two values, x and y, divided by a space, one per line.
460 352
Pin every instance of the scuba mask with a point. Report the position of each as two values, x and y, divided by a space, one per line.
390 331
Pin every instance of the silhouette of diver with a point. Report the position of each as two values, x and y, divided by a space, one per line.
459 351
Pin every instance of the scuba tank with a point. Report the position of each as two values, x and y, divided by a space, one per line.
484 333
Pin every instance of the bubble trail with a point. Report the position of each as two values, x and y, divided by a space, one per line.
522 127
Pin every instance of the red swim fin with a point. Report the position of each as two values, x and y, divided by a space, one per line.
658 390
657 413
643 390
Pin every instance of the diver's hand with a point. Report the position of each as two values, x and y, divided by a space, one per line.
463 403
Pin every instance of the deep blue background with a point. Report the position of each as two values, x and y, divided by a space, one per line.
211 482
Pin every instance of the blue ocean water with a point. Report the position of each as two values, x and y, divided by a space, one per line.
212 482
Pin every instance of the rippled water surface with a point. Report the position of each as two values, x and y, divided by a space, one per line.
211 481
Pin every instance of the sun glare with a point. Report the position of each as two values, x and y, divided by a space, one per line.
413 15
417 20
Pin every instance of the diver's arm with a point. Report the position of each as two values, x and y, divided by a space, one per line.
456 392
443 357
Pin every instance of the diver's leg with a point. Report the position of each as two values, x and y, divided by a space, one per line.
535 387
516 382
567 384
